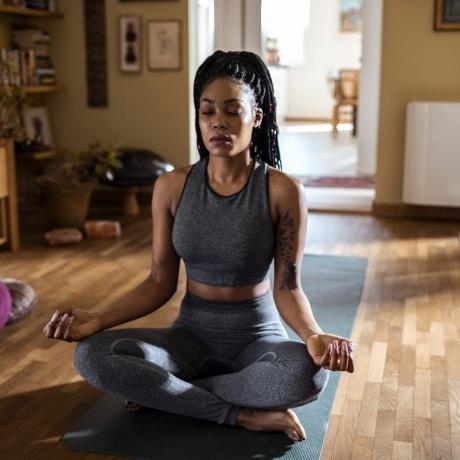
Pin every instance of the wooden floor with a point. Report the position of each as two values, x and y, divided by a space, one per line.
402 401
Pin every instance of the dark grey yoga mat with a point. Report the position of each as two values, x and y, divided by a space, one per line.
333 285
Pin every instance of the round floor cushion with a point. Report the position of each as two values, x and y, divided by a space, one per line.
5 304
23 298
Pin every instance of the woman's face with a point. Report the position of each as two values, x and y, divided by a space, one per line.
227 116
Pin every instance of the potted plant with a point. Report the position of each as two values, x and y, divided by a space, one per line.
12 100
69 180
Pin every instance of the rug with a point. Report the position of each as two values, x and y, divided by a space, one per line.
333 286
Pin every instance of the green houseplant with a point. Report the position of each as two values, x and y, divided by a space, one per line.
12 100
69 180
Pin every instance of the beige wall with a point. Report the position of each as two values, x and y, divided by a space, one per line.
418 64
145 110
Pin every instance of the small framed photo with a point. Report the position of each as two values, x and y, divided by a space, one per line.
350 15
164 45
37 126
130 44
447 15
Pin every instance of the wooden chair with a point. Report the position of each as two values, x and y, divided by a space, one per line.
345 90
9 227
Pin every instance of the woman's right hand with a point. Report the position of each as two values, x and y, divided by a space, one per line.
72 324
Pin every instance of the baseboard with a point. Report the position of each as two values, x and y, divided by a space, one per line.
407 211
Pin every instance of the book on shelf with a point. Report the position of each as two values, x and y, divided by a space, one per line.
46 5
28 60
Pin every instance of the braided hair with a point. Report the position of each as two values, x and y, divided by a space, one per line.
249 69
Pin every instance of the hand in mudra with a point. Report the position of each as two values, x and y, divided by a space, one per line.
332 352
72 324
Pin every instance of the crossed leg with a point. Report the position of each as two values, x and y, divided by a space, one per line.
269 373
163 368
151 367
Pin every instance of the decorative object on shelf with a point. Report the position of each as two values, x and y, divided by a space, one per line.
284 23
36 4
12 100
96 53
20 3
130 43
104 229
164 45
272 56
446 15
350 16
60 236
37 128
69 180
140 167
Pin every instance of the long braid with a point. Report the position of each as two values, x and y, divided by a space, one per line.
245 67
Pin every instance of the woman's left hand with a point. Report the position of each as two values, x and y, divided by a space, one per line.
332 352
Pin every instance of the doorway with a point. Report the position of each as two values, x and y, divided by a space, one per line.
338 169
327 62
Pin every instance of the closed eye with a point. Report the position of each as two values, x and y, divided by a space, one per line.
230 113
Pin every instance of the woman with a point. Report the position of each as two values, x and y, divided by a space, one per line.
227 358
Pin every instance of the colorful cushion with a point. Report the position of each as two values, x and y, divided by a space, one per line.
23 298
5 304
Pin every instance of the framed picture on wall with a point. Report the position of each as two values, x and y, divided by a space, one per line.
37 126
350 16
130 44
447 15
164 45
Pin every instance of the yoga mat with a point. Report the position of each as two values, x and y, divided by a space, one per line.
333 285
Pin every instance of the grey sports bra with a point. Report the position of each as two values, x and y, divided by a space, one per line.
225 240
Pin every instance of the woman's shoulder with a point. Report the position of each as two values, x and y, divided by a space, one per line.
175 180
279 180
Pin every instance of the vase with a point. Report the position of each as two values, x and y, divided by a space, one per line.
67 204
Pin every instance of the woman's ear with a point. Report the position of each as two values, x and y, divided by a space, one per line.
259 114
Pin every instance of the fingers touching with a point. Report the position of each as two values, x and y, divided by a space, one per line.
59 326
338 357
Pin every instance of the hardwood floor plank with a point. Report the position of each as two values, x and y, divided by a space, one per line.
346 430
439 385
440 427
454 405
422 393
377 362
402 450
422 438
369 409
404 420
383 443
362 449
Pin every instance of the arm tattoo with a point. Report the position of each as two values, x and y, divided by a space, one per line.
286 247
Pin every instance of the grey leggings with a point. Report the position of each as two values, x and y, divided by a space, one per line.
216 357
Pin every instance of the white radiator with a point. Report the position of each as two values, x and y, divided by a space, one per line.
432 154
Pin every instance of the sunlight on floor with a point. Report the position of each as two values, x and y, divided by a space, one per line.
314 128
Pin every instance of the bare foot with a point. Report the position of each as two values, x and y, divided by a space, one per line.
271 420
132 407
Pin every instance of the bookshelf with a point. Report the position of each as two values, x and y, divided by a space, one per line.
27 164
35 89
42 89
43 155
